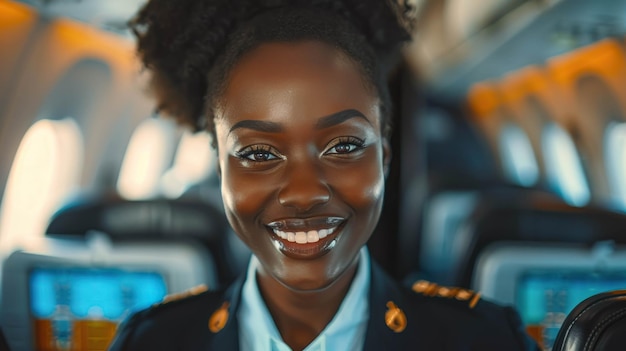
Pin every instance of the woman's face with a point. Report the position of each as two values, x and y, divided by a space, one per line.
302 160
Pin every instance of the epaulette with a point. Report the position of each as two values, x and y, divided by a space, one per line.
427 288
219 317
196 290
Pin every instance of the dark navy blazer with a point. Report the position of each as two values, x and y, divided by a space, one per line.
433 319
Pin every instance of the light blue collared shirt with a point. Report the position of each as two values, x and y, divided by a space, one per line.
346 331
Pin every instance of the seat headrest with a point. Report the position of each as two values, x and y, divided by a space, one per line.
596 324
123 219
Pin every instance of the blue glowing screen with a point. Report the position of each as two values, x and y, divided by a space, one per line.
93 292
542 294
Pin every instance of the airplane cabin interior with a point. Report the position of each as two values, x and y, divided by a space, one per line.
508 174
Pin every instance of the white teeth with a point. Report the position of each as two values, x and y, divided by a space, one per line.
323 233
311 236
301 237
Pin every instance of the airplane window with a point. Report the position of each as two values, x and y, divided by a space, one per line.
517 155
193 163
146 159
46 169
563 165
615 153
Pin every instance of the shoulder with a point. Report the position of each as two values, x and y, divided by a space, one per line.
460 300
463 317
179 316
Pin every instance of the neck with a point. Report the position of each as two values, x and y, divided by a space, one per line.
301 316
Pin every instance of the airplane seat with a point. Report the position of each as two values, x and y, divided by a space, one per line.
157 220
596 324
70 293
449 206
537 219
545 281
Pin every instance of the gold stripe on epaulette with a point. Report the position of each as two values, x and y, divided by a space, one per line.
427 288
420 286
464 295
187 293
474 300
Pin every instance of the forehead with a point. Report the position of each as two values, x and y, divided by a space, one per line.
295 80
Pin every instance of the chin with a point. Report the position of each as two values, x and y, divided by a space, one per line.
307 285
307 277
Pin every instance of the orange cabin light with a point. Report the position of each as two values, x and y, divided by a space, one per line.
483 100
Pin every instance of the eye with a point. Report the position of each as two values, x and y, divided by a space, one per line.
258 153
344 145
261 156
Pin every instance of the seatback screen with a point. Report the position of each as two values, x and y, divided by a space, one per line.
80 308
545 298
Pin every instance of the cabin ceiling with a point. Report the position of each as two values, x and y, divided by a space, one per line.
457 42
528 33
461 17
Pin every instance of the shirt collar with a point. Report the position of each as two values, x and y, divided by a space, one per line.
258 332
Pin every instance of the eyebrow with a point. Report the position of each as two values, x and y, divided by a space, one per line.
261 126
324 122
338 118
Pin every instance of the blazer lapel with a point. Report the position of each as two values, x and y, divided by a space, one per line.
228 337
385 295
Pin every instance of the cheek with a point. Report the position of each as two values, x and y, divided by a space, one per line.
243 195
362 188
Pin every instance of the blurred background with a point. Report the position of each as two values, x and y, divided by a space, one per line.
508 174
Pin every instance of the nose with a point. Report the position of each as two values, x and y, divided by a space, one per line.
304 187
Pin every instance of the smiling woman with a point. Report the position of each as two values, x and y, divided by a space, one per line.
316 157
296 101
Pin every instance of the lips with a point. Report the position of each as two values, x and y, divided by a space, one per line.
305 237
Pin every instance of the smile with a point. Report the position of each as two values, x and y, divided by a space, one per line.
306 238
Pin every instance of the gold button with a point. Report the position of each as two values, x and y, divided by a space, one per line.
219 318
395 318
